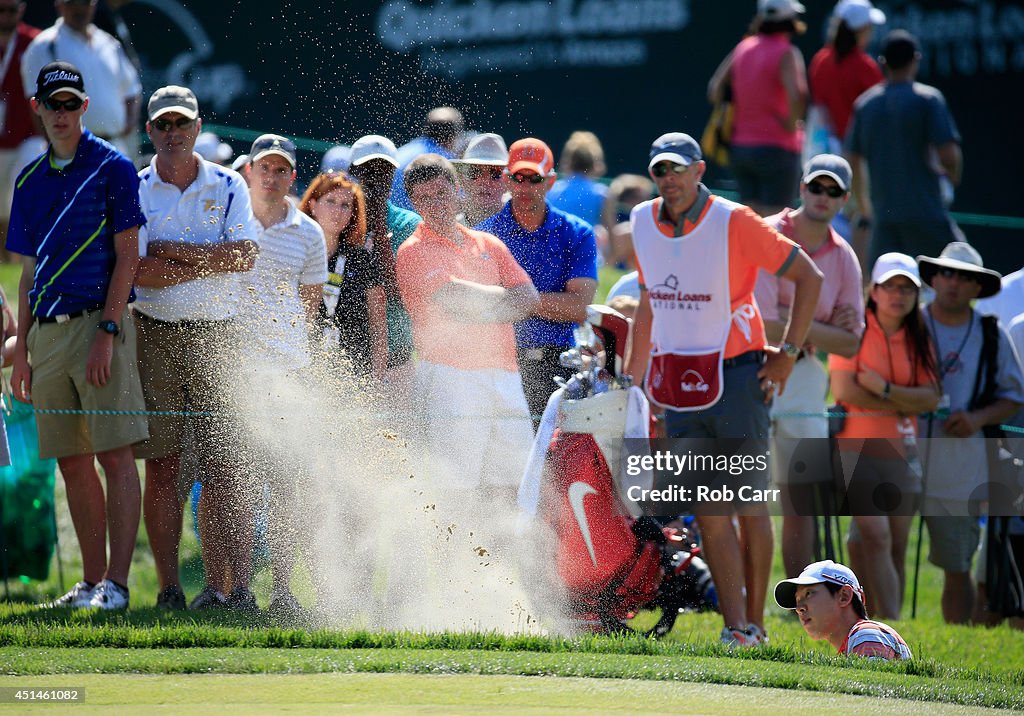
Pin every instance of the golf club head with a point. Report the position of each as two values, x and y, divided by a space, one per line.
614 330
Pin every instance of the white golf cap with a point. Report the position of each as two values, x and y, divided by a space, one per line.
895 264
858 14
779 9
373 146
487 148
818 573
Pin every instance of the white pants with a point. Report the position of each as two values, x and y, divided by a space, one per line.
477 425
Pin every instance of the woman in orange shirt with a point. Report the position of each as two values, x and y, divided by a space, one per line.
883 388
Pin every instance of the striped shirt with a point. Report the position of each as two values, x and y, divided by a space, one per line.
66 219
875 640
293 253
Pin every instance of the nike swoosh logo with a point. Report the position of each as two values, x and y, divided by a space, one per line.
578 491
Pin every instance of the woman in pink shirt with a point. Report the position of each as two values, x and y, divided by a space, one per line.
766 76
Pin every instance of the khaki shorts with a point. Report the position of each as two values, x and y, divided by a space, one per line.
58 353
954 536
182 365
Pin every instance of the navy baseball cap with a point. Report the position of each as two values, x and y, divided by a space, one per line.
59 77
675 147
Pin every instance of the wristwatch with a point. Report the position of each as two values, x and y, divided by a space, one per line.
790 349
108 327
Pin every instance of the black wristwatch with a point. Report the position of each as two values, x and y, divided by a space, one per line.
108 327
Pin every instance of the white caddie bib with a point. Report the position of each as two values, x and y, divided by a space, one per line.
687 282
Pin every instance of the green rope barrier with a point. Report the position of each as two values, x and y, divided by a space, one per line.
23 408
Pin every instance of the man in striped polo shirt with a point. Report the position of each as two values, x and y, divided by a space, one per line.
284 294
75 220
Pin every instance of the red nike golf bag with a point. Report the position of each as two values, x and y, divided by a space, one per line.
610 560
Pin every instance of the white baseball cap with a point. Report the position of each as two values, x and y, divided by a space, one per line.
858 14
373 146
488 149
779 9
819 573
895 264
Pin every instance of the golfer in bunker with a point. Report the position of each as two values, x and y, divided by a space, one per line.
829 600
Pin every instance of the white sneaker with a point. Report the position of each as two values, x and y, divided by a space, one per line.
741 638
79 596
757 634
109 595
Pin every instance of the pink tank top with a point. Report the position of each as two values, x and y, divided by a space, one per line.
758 94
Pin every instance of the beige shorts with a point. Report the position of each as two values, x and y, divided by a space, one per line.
58 353
954 535
182 368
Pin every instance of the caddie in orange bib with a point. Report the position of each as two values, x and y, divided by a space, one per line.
699 343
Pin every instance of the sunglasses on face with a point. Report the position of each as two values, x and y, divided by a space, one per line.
165 124
493 173
68 105
662 169
819 188
947 272
531 178
9 10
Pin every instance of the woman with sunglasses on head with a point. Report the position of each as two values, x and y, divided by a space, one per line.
891 379
353 313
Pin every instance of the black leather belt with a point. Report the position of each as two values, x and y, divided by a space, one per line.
744 359
65 317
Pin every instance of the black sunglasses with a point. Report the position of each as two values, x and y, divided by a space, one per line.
476 172
532 178
165 124
947 272
68 105
662 169
819 188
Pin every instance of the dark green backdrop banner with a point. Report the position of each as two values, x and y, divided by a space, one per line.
625 69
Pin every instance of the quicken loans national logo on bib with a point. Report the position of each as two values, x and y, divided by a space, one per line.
669 295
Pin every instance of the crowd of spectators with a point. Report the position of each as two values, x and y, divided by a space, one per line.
447 276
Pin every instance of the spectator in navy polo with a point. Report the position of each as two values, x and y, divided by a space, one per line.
75 221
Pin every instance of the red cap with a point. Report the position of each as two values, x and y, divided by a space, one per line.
531 155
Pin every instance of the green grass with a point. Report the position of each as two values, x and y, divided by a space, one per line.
954 665
454 693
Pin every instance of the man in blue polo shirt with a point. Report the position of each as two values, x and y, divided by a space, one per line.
75 220
559 252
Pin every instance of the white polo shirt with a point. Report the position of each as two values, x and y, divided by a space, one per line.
293 253
109 77
213 209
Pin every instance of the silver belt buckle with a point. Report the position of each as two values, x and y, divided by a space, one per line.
62 318
534 354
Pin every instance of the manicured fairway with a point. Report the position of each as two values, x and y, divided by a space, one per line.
381 693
